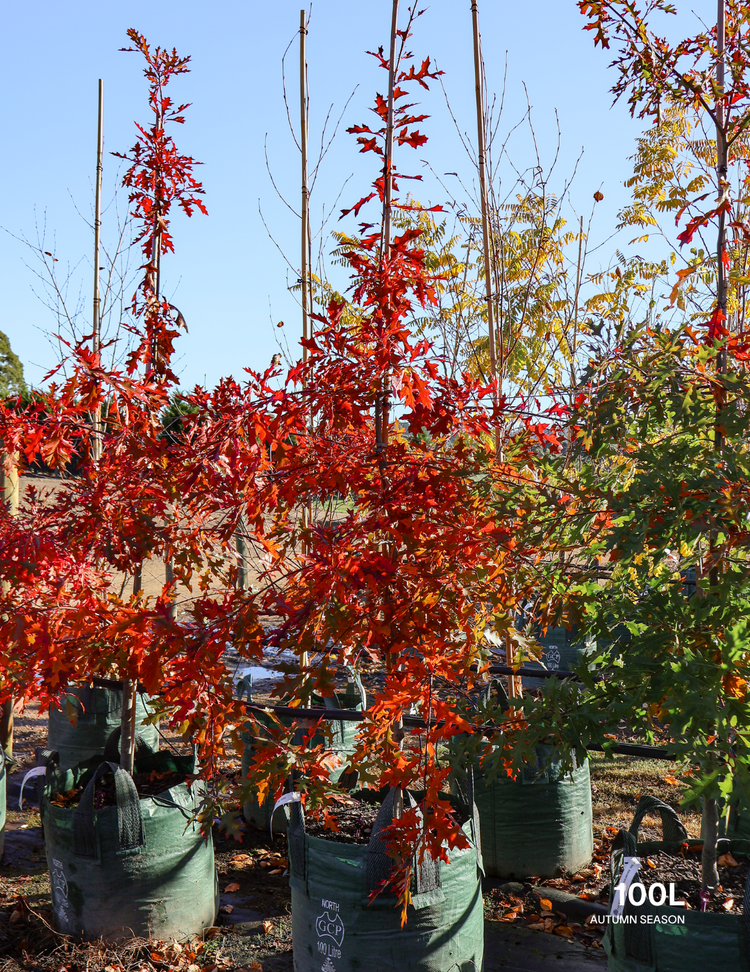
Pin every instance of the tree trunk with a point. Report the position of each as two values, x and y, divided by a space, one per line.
709 872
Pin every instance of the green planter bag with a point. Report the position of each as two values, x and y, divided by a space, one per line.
342 745
539 824
336 928
99 709
139 869
651 939
562 650
3 796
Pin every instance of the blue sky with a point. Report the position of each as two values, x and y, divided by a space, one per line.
228 278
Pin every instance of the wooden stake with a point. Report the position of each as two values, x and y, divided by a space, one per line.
709 870
304 235
482 164
381 407
305 188
96 444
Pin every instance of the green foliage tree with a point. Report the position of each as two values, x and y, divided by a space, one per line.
11 370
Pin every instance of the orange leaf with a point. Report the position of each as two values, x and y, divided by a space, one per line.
673 781
546 904
726 860
267 926
231 887
564 930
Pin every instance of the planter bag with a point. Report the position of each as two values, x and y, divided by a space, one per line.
343 741
99 711
538 824
139 869
3 791
562 650
647 942
336 928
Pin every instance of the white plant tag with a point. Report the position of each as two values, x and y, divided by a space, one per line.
36 771
294 797
620 891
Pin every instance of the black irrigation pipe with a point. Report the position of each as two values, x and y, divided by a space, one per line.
415 722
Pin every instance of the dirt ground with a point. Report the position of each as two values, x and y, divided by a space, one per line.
253 930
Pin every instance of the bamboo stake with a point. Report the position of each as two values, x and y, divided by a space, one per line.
514 683
381 405
305 188
96 445
304 236
9 494
482 164
709 871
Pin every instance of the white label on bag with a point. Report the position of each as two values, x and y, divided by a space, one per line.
36 771
629 871
294 797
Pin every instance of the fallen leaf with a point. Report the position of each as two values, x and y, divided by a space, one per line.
650 862
227 909
672 780
536 926
728 904
231 887
545 904
267 926
277 870
565 931
726 860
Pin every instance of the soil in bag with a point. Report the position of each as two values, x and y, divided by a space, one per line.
684 871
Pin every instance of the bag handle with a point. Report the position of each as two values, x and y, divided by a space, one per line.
672 828
245 687
112 746
494 689
129 819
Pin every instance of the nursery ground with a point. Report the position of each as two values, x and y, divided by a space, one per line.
254 926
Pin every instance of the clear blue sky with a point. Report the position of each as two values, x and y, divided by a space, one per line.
227 277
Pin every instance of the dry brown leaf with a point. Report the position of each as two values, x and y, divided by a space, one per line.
277 870
231 887
728 904
727 860
565 931
227 909
536 926
545 904
267 926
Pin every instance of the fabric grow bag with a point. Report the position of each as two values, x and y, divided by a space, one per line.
343 741
140 869
538 824
647 942
562 650
336 927
99 709
3 797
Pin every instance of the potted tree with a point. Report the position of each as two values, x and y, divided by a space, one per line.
123 862
656 480
401 586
